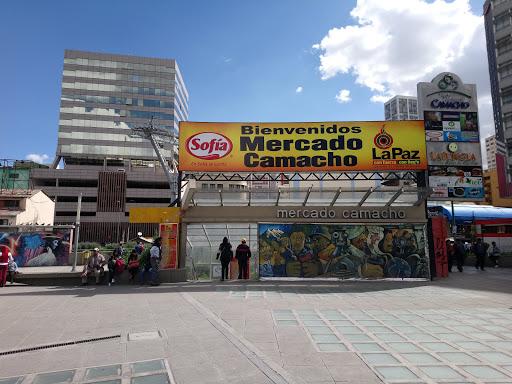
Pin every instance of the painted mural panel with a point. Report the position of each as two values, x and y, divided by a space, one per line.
38 249
342 251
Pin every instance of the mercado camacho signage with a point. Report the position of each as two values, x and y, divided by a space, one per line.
271 147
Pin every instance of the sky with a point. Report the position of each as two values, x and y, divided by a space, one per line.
252 61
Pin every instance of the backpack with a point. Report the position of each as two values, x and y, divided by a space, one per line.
119 267
227 252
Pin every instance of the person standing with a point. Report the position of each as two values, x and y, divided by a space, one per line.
494 254
243 253
450 253
94 265
120 249
155 254
479 251
225 253
459 252
139 248
4 263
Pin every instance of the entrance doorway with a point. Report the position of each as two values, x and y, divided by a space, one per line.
203 242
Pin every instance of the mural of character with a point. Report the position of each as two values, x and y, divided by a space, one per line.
305 262
32 250
368 251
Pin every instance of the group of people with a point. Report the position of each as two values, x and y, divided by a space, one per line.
457 254
116 266
8 266
242 254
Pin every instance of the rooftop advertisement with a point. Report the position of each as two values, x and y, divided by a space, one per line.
284 147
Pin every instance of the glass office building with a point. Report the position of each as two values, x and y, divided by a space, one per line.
103 96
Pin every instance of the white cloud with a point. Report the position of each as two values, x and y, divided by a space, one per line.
343 96
37 158
395 44
299 90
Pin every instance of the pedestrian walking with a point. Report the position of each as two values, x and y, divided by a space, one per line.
4 263
120 249
226 254
479 251
155 254
243 253
494 254
459 252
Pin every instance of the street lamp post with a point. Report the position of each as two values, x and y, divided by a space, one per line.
77 230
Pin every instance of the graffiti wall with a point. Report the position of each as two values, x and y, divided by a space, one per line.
38 249
342 251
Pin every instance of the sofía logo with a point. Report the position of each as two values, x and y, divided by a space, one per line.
383 140
208 145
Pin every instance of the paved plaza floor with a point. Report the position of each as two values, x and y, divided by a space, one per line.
456 330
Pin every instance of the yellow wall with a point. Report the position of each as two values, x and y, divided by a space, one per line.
492 192
154 215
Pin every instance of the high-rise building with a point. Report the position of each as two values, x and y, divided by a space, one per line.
498 31
493 146
103 97
401 108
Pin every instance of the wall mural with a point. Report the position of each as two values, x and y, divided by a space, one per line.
38 249
342 251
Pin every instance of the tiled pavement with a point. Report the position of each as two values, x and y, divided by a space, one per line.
457 330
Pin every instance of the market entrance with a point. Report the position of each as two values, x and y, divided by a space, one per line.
203 242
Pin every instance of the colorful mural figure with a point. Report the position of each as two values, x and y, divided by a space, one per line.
342 251
40 249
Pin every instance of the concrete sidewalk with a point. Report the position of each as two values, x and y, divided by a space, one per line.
457 330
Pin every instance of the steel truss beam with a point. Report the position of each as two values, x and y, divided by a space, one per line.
303 176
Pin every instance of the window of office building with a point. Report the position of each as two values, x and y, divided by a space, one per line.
505 71
502 21
506 95
507 121
498 2
504 45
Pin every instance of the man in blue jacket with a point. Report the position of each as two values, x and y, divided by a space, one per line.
479 251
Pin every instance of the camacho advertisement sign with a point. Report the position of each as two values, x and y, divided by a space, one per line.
279 147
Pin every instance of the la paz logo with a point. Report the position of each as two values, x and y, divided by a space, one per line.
208 145
383 140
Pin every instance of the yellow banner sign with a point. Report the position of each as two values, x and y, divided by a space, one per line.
154 215
282 147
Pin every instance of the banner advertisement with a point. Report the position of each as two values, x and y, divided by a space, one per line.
456 182
454 154
451 126
342 251
284 147
169 234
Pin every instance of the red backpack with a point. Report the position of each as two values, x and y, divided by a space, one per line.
119 268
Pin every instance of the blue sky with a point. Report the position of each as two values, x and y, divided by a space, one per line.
241 60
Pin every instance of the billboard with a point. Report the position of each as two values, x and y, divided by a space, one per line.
285 147
450 112
342 251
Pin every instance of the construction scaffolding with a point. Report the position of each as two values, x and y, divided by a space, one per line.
15 175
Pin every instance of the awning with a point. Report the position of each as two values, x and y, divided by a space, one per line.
314 196
466 213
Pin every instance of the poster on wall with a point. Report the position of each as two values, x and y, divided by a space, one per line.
342 251
38 249
456 182
169 234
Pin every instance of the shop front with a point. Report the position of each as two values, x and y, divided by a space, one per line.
356 233
349 202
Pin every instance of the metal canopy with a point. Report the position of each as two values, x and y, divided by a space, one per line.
312 196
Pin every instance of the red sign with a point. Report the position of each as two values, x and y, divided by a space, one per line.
208 146
169 235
